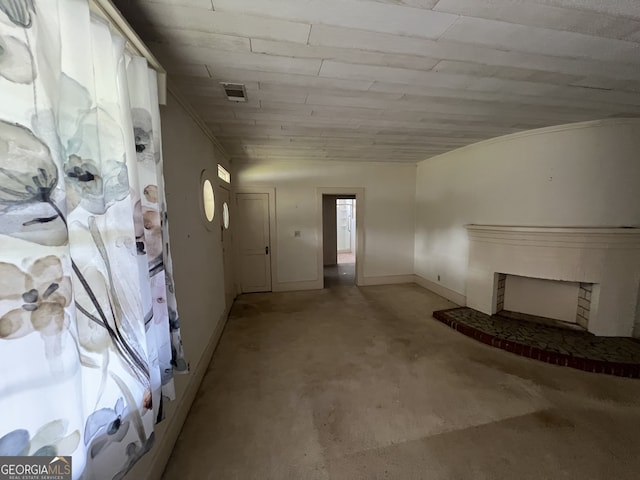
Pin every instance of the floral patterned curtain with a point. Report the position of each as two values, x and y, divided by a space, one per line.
89 329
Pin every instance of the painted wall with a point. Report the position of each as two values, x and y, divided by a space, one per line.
584 174
198 268
388 214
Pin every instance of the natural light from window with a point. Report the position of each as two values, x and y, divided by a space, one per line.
224 174
208 200
225 215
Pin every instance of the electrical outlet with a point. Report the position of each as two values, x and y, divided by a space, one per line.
296 233
438 277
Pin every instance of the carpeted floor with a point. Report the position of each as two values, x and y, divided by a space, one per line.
354 383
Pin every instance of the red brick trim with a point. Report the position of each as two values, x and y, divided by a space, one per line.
555 358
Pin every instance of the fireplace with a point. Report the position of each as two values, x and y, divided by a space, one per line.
601 266
569 303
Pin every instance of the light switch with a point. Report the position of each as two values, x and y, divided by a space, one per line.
296 233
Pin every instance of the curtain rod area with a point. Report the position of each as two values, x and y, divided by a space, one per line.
110 12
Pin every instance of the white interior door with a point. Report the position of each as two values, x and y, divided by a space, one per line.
254 242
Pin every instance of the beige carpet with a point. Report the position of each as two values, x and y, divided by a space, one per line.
361 383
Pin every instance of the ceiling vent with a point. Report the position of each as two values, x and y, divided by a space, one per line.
235 92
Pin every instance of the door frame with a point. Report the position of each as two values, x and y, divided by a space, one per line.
273 237
358 192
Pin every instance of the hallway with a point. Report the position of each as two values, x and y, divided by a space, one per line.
340 275
352 383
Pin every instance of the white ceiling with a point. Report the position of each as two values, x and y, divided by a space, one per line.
392 80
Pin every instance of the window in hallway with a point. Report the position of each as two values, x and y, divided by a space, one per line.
208 200
346 230
225 215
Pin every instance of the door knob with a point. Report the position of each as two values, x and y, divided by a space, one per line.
266 250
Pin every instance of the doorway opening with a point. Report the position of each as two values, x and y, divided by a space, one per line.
339 240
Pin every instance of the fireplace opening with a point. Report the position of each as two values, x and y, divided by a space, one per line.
555 302
606 260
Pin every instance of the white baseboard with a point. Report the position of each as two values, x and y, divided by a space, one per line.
170 428
316 285
387 280
445 292
294 286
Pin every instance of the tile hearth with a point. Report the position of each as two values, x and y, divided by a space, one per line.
561 346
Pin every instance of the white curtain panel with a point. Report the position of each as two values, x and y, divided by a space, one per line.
89 329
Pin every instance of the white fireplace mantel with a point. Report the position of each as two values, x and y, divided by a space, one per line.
607 257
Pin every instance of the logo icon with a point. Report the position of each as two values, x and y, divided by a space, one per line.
35 468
